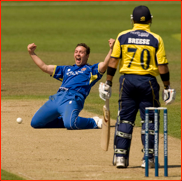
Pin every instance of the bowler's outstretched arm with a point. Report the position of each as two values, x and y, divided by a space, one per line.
45 68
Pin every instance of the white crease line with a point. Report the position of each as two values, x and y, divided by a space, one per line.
26 176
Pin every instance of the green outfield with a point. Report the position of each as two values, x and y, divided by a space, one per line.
56 28
9 176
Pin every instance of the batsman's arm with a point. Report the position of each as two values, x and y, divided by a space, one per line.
164 73
111 69
168 94
103 65
45 68
114 60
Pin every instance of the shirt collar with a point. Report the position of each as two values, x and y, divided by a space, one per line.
80 66
145 27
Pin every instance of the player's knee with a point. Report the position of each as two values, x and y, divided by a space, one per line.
70 121
67 125
124 133
71 124
126 127
151 132
34 123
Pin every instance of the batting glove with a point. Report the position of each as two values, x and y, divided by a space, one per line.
168 95
104 91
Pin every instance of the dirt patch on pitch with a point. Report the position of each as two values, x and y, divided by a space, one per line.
60 154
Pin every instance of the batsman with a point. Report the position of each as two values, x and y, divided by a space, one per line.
141 57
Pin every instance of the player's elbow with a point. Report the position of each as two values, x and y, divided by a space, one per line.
46 70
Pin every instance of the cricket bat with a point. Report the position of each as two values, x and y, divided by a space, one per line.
105 135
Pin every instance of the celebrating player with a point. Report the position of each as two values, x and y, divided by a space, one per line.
142 57
63 108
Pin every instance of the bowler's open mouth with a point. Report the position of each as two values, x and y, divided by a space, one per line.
78 58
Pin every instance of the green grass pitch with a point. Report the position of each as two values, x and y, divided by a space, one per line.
56 28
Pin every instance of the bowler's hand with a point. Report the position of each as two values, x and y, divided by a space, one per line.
31 48
111 43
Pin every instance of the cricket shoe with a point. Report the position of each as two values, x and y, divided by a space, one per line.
151 163
121 162
98 121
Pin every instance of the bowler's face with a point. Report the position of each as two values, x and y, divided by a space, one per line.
80 56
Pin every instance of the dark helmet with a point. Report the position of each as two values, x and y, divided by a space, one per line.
141 14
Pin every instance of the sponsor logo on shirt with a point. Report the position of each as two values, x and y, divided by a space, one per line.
83 69
75 73
141 34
